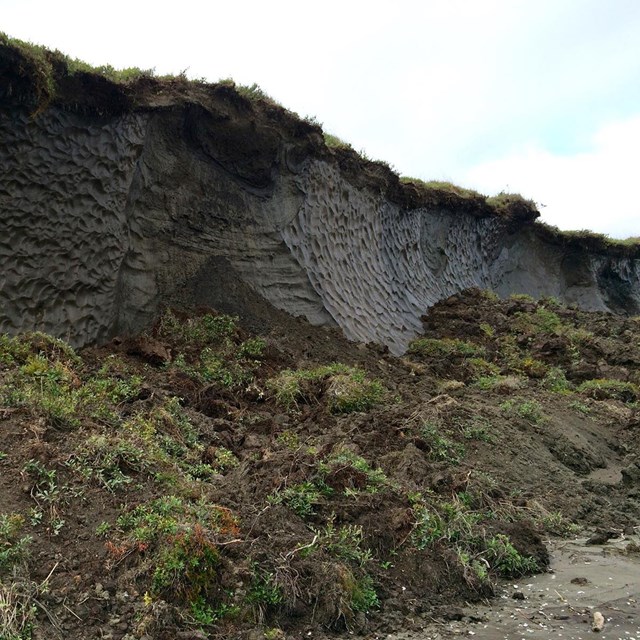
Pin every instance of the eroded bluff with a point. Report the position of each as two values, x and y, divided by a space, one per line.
175 194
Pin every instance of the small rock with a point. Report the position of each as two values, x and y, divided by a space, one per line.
601 537
360 622
631 474
252 441
518 595
149 349
452 613
598 622
281 420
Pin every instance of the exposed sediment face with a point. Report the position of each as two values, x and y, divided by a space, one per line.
105 218
594 281
64 185
377 268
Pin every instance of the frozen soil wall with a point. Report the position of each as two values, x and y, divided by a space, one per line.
117 199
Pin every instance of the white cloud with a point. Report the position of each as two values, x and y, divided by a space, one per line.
596 190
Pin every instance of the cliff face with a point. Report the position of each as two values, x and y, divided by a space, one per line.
113 206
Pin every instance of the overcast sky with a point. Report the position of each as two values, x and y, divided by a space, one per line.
540 97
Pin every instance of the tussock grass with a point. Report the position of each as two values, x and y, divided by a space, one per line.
442 186
347 388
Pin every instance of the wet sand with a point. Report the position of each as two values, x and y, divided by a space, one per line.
559 604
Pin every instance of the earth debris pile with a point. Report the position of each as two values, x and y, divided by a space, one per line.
202 479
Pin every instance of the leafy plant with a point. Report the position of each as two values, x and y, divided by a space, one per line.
110 461
288 439
301 498
47 494
480 368
580 407
264 591
556 381
254 93
444 187
345 543
341 457
224 460
531 367
506 559
478 429
475 571
350 392
440 446
440 520
210 348
202 330
333 142
558 525
251 348
13 546
364 596
487 329
19 602
505 203
522 297
187 565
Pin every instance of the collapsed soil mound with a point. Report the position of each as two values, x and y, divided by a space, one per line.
201 481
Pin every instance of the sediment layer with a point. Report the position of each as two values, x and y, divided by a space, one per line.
116 202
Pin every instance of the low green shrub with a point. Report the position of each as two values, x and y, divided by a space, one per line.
529 410
445 348
481 368
440 446
345 543
556 381
603 389
342 457
202 330
506 559
187 565
351 392
348 389
364 596
333 142
301 498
